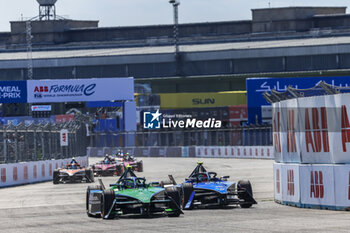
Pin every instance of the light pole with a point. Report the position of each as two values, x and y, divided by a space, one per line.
175 4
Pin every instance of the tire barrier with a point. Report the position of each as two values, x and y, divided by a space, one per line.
313 130
249 152
32 172
311 141
320 186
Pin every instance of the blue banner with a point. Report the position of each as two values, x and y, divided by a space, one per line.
13 92
257 86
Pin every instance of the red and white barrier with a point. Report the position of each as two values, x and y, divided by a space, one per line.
31 172
290 183
318 128
277 177
317 185
248 152
342 185
325 186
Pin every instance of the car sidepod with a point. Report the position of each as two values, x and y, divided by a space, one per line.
220 194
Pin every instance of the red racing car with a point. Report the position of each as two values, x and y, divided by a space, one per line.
128 160
108 167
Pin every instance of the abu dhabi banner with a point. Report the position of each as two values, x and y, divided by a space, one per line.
75 90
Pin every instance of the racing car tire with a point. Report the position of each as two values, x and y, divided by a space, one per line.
174 194
119 170
107 199
140 166
89 176
55 177
245 185
96 187
187 189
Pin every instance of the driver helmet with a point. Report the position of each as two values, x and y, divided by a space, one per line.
74 165
203 177
129 183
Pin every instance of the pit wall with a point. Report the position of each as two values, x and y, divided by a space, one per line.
242 152
13 174
311 142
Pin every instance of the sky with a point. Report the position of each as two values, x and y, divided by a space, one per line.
113 13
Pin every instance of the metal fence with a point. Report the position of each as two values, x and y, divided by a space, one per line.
42 141
240 136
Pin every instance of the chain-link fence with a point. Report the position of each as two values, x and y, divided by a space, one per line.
239 136
42 141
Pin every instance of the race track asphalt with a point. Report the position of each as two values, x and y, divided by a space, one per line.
45 207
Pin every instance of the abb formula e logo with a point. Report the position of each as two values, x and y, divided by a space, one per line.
41 89
64 90
316 184
290 182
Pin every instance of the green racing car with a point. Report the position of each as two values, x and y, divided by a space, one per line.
132 195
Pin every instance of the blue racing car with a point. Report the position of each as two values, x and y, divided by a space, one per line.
205 189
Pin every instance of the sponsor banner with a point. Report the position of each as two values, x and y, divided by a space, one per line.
318 128
64 137
258 152
249 152
202 99
39 108
342 185
76 90
276 132
184 151
289 131
277 177
290 183
257 86
13 91
64 118
314 140
338 121
238 114
317 185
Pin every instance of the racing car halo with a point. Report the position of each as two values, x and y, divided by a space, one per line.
132 195
205 189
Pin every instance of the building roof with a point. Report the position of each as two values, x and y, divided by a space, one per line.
105 52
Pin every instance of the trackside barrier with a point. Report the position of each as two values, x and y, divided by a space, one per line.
313 130
248 152
321 186
311 142
242 152
32 172
277 177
